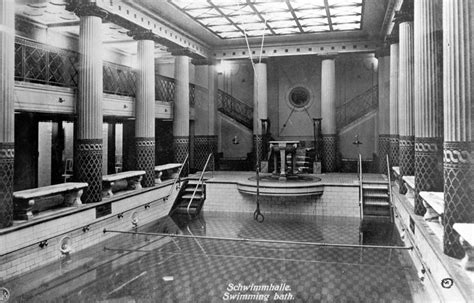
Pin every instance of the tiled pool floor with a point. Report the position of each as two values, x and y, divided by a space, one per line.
134 269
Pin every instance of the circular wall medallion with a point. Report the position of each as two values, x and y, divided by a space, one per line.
299 97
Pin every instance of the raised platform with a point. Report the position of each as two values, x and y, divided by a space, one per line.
269 185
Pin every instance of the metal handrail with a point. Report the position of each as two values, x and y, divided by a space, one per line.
389 189
178 179
200 181
361 199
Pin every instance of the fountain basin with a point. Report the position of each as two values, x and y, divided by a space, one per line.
270 185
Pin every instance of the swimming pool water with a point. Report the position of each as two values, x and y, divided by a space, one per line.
147 268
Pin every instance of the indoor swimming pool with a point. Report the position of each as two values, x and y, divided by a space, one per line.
241 261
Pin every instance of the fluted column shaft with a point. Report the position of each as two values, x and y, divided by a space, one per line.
458 70
212 97
428 99
145 111
384 110
7 108
405 100
181 108
394 132
88 154
328 114
260 104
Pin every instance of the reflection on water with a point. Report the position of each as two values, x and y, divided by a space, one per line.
149 268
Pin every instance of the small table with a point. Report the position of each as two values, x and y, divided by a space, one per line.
284 147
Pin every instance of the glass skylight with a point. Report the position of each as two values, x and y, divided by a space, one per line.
229 19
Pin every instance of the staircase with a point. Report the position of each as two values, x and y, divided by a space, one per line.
186 194
376 201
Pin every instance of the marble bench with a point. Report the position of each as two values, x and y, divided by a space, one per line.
466 233
133 178
160 169
24 200
434 204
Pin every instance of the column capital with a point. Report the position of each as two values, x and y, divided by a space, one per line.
141 34
392 38
263 60
328 56
184 51
403 16
87 9
382 52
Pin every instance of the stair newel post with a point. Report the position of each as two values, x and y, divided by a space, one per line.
317 145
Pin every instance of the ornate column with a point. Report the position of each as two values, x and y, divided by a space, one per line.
406 94
428 99
394 134
260 104
145 106
212 110
383 56
458 68
181 108
328 114
88 147
7 109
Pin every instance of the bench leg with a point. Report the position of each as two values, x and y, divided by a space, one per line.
430 214
23 209
160 174
134 183
73 198
107 189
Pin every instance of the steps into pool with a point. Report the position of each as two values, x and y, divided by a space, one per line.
185 197
376 201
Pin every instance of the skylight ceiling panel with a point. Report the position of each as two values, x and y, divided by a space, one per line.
344 2
204 13
252 26
214 21
257 32
237 10
280 24
191 4
229 35
223 28
315 29
311 13
226 2
345 10
345 19
286 30
346 26
314 22
277 16
268 7
307 4
243 19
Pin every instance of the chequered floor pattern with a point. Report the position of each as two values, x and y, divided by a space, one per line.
203 270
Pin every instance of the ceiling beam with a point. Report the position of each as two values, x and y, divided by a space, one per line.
292 11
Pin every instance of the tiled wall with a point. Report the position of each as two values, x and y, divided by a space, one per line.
20 250
335 201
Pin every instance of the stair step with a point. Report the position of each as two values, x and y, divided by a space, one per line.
191 189
189 196
376 218
376 203
383 195
375 186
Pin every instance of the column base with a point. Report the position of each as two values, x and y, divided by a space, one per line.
407 155
384 150
145 148
329 150
88 168
181 150
458 190
7 159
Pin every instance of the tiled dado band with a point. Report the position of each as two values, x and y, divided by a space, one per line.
428 169
458 191
394 150
203 146
384 150
7 154
181 150
407 155
145 149
88 164
329 153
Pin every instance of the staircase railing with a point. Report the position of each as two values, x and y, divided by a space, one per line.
200 182
235 108
357 107
178 179
389 189
361 196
